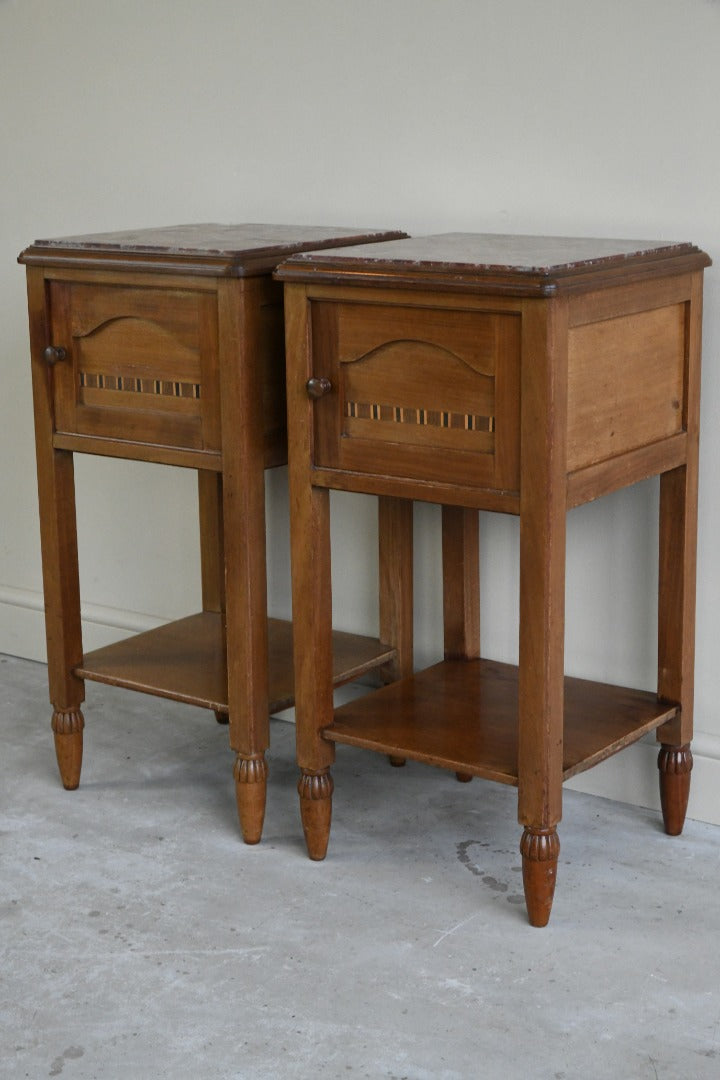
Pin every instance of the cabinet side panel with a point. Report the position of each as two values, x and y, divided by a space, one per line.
625 384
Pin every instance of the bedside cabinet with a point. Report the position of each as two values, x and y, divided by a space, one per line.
166 345
521 375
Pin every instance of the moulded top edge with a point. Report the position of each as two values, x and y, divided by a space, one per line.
236 248
467 256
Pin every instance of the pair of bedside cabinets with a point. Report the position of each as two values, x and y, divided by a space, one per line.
521 375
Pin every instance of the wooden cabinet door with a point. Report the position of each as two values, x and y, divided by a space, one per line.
418 392
140 366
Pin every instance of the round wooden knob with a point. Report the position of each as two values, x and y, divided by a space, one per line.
54 354
317 388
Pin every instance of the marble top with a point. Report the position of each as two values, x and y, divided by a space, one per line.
492 252
244 248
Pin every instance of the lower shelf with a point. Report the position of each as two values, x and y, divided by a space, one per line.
185 660
463 715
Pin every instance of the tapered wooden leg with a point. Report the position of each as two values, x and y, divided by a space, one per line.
315 791
676 590
540 849
675 764
676 638
241 515
58 538
250 791
311 588
542 601
67 726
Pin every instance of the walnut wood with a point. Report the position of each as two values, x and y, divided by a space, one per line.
514 374
616 407
67 727
185 660
315 791
395 541
448 493
58 538
542 564
310 556
212 553
540 849
676 593
244 517
675 764
162 345
140 451
421 381
168 357
678 550
461 583
56 489
618 301
478 703
250 774
606 476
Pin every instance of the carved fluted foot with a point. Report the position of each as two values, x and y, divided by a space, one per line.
250 791
67 726
540 849
315 791
222 717
675 764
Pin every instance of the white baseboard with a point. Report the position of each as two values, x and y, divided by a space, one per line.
22 624
632 777
629 777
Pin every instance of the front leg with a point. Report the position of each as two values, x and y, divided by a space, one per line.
315 790
67 727
250 775
540 849
240 554
311 586
542 602
58 539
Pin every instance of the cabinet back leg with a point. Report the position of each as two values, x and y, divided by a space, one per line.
675 764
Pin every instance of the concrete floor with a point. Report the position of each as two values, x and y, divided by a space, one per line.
141 939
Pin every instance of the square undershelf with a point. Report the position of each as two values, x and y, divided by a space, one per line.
463 715
185 660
